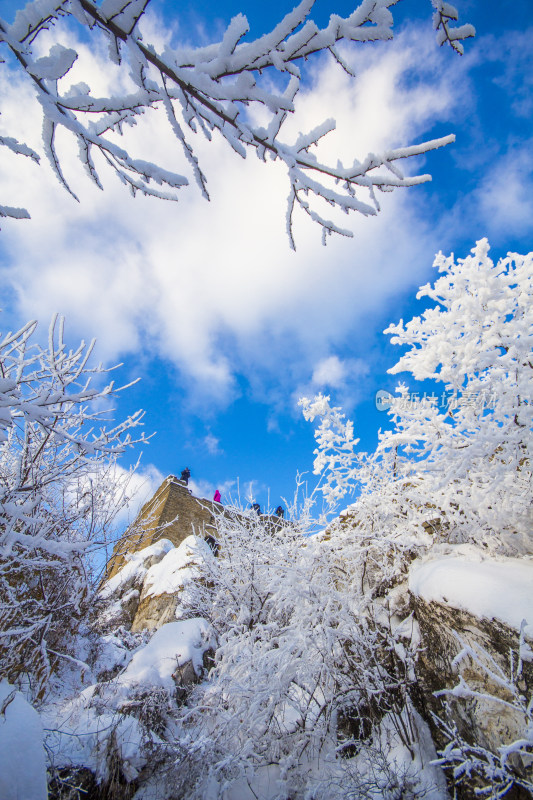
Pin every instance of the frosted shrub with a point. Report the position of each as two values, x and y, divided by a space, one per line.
300 672
58 497
492 770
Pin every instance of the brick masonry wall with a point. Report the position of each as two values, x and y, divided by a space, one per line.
172 513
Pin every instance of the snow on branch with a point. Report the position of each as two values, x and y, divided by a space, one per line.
444 15
336 458
15 213
214 87
22 150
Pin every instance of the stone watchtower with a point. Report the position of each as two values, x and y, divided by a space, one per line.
172 513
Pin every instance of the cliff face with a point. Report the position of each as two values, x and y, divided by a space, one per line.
468 615
152 563
146 592
173 513
445 632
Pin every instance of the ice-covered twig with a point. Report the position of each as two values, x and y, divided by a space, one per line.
444 15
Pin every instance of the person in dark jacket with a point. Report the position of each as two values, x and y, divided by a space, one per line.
213 544
185 475
279 512
257 508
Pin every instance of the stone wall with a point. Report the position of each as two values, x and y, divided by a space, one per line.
172 513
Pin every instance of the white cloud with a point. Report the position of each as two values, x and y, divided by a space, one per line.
505 196
345 380
329 372
138 487
334 372
212 444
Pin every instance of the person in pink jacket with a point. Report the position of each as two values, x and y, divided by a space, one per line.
216 497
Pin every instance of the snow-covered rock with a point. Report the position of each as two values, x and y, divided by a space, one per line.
143 663
120 594
499 589
476 624
165 585
109 732
162 661
137 565
151 589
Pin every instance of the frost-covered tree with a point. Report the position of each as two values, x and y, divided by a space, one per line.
476 342
301 678
214 89
382 528
463 465
59 494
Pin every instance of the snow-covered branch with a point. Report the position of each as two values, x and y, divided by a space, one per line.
209 88
443 18
498 769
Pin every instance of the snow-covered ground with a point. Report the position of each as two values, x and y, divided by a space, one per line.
21 742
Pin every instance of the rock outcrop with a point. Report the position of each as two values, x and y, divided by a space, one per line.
470 613
151 588
166 583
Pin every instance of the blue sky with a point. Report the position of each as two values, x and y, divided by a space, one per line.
227 327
